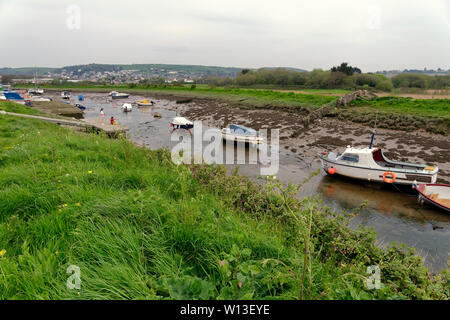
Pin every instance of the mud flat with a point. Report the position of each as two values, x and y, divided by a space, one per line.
328 133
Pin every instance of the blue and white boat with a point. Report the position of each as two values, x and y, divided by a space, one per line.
239 133
118 95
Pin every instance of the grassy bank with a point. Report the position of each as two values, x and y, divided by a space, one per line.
400 114
139 226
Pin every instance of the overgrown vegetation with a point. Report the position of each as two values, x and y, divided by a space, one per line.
139 226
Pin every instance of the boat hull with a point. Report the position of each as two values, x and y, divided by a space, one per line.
120 96
424 198
376 174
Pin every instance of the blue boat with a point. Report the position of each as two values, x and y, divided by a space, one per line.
80 97
79 106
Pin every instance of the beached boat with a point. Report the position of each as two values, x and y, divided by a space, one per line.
65 95
118 95
16 97
372 165
127 107
36 91
79 106
144 103
181 123
39 98
239 133
437 195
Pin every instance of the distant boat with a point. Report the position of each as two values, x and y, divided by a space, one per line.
437 195
36 91
80 97
144 103
239 133
65 95
127 107
372 165
181 123
118 95
79 106
39 98
15 97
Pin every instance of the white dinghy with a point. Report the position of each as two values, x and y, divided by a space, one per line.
127 107
239 133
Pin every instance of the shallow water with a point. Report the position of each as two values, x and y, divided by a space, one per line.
395 215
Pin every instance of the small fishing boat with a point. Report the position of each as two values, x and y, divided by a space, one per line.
127 107
372 165
144 103
435 194
239 133
36 91
118 95
79 106
65 95
15 97
80 97
181 123
39 98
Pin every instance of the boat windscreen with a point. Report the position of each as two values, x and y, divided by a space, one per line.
242 130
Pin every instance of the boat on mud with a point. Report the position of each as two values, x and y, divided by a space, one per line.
372 165
36 91
145 103
79 106
118 95
181 123
127 107
437 195
239 133
65 95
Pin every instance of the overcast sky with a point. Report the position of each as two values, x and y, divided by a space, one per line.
371 34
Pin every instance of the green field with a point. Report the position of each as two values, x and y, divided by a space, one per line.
420 107
140 227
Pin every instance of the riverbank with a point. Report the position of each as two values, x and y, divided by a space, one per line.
399 113
140 227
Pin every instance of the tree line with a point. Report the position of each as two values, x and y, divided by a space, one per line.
339 77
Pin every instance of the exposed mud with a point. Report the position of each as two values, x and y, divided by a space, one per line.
328 133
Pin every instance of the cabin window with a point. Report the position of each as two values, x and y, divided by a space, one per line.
350 157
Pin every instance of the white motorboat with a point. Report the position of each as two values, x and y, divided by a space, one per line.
118 95
36 91
65 95
127 107
181 123
372 165
239 133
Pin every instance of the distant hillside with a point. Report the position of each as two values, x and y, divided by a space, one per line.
150 69
143 68
27 71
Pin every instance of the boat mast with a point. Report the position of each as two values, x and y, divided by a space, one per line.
373 132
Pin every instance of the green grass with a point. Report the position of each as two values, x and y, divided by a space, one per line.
140 227
420 107
19 108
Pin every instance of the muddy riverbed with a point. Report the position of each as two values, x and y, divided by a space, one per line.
395 215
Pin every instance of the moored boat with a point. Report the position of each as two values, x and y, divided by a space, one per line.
181 123
239 133
118 95
79 106
127 107
435 194
65 95
372 165
144 103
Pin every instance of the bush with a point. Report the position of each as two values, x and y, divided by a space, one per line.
385 85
